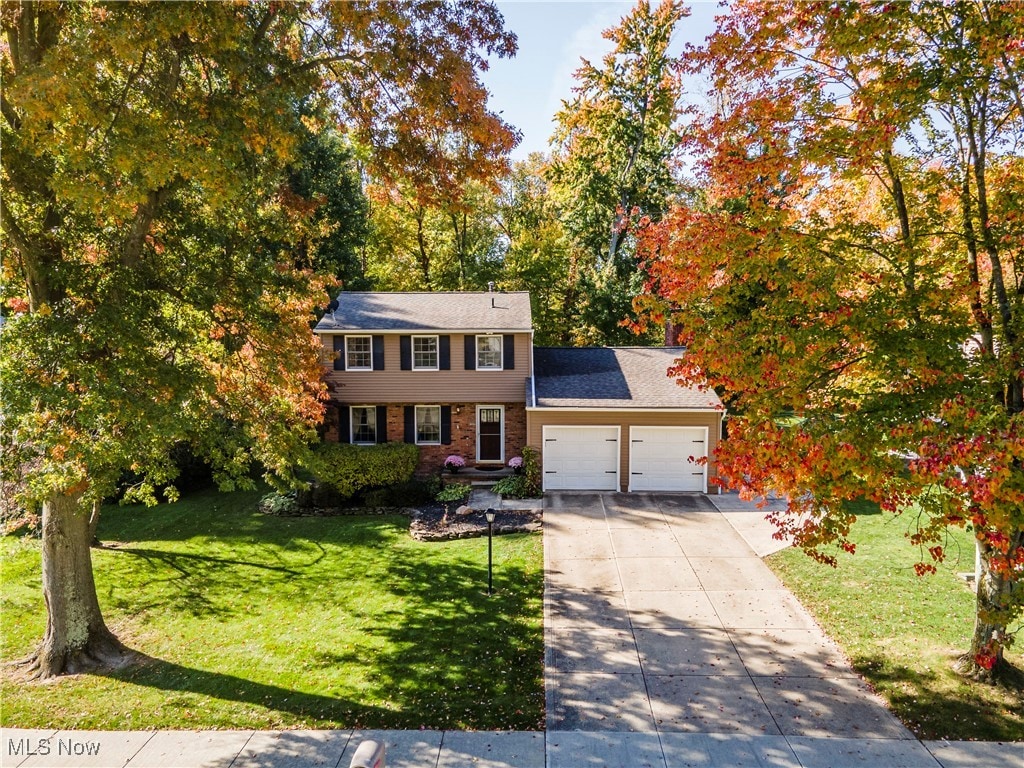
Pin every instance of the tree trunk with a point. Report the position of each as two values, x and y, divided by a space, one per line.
76 637
984 662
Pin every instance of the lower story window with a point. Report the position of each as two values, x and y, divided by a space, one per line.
364 424
428 424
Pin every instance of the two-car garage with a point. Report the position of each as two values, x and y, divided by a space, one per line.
616 419
657 458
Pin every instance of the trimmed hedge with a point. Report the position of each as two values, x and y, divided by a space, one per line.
347 469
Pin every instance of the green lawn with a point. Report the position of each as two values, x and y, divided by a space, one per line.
902 632
253 621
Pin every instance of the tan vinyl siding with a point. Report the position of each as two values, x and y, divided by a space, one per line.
536 420
393 385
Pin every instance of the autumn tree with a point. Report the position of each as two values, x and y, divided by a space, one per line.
149 288
613 160
449 244
854 279
327 175
536 253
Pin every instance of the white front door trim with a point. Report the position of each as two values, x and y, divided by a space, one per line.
501 408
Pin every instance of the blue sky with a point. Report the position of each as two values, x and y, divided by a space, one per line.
529 89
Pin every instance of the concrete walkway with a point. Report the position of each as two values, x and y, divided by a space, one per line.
481 749
668 644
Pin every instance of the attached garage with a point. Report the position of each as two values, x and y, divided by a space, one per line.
581 458
668 459
613 419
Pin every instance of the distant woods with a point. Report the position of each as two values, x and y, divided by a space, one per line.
561 226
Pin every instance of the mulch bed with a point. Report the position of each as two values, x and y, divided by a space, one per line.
429 523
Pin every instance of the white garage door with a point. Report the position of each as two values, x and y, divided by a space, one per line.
581 458
661 458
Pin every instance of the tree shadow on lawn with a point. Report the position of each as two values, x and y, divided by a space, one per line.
437 651
169 677
976 713
462 659
191 585
286 551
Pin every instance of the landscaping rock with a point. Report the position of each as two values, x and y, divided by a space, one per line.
429 524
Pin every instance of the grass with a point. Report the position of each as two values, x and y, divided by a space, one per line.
902 632
252 621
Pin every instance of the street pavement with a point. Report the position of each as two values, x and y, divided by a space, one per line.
668 642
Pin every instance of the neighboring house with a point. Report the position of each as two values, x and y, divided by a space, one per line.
457 373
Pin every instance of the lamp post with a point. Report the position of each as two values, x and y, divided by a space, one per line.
489 514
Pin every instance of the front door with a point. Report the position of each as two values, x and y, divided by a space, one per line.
490 441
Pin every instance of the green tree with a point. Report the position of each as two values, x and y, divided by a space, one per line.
854 281
612 166
150 291
327 174
449 244
537 256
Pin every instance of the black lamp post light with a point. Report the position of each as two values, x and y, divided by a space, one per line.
489 514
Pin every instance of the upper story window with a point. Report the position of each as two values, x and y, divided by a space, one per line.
358 353
488 353
424 353
428 425
364 424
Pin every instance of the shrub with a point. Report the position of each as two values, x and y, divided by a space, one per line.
407 494
526 485
454 492
348 469
283 504
513 487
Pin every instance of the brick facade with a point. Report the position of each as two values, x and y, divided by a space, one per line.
463 433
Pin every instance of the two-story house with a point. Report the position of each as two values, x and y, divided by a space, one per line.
457 373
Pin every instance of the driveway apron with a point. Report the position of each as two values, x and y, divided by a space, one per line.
661 619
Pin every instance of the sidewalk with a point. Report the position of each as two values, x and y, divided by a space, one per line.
483 749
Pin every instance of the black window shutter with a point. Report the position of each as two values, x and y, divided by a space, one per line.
410 423
446 425
344 430
382 423
508 352
339 350
471 353
405 347
444 354
378 353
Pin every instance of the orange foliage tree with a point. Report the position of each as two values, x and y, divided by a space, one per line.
148 223
852 278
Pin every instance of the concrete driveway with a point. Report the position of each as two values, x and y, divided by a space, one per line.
661 621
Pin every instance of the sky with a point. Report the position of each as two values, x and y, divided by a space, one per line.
528 90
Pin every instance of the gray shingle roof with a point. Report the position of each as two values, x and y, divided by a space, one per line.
613 377
439 311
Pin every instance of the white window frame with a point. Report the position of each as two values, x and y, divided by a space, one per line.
501 352
352 424
369 340
437 353
416 424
